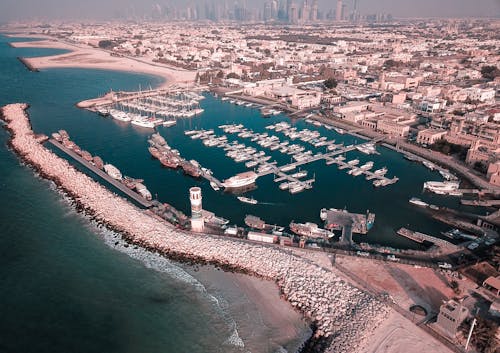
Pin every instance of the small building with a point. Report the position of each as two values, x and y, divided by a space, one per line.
493 174
430 136
493 285
451 315
262 237
309 100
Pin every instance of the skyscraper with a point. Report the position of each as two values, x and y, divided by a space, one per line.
267 10
314 11
293 14
338 12
304 13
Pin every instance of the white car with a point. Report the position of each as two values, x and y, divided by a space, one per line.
392 258
363 253
444 265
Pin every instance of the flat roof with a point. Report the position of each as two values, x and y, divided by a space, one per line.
493 282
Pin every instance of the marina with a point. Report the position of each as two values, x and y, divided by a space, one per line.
262 165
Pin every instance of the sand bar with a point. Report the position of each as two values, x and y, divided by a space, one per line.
86 57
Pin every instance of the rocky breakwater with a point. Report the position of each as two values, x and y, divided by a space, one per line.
342 315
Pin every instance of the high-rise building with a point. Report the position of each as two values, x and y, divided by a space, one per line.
197 222
304 13
267 10
314 11
274 9
338 12
288 6
293 14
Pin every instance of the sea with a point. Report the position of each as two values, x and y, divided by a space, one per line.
69 286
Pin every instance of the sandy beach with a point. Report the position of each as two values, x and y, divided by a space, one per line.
269 323
85 57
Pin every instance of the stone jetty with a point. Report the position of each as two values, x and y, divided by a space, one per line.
342 315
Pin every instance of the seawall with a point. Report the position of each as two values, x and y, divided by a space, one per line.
340 313
27 64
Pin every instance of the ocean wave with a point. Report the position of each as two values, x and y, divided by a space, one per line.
161 264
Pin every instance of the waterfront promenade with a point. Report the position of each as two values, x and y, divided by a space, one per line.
343 315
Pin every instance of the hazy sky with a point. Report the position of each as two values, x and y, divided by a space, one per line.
102 9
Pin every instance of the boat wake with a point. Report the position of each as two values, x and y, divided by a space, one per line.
270 203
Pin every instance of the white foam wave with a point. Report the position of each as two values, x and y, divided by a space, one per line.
161 264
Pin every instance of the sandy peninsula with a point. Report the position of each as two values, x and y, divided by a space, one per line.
86 57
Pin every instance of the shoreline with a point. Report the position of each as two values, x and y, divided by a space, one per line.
95 58
339 312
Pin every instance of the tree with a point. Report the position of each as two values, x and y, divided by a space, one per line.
481 167
220 74
330 83
233 75
106 44
490 72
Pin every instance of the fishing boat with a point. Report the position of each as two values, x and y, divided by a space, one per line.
244 199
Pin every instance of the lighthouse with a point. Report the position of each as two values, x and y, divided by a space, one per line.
197 223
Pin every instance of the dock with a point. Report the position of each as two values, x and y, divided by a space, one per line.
482 203
130 193
301 155
421 237
349 223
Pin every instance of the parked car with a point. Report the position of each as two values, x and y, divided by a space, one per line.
444 265
392 258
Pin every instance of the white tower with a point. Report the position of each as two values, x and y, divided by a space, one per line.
197 223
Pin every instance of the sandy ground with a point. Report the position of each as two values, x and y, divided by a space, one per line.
92 58
397 335
269 319
407 285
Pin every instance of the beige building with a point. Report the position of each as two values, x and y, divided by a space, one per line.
493 285
493 173
393 128
306 100
430 136
451 315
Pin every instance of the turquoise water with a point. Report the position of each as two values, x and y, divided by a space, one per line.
64 287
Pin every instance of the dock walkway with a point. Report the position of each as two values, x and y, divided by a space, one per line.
421 237
130 193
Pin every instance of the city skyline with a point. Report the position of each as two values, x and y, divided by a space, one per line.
239 10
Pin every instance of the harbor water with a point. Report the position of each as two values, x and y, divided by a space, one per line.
68 286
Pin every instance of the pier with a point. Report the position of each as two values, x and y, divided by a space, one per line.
302 156
421 237
130 193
